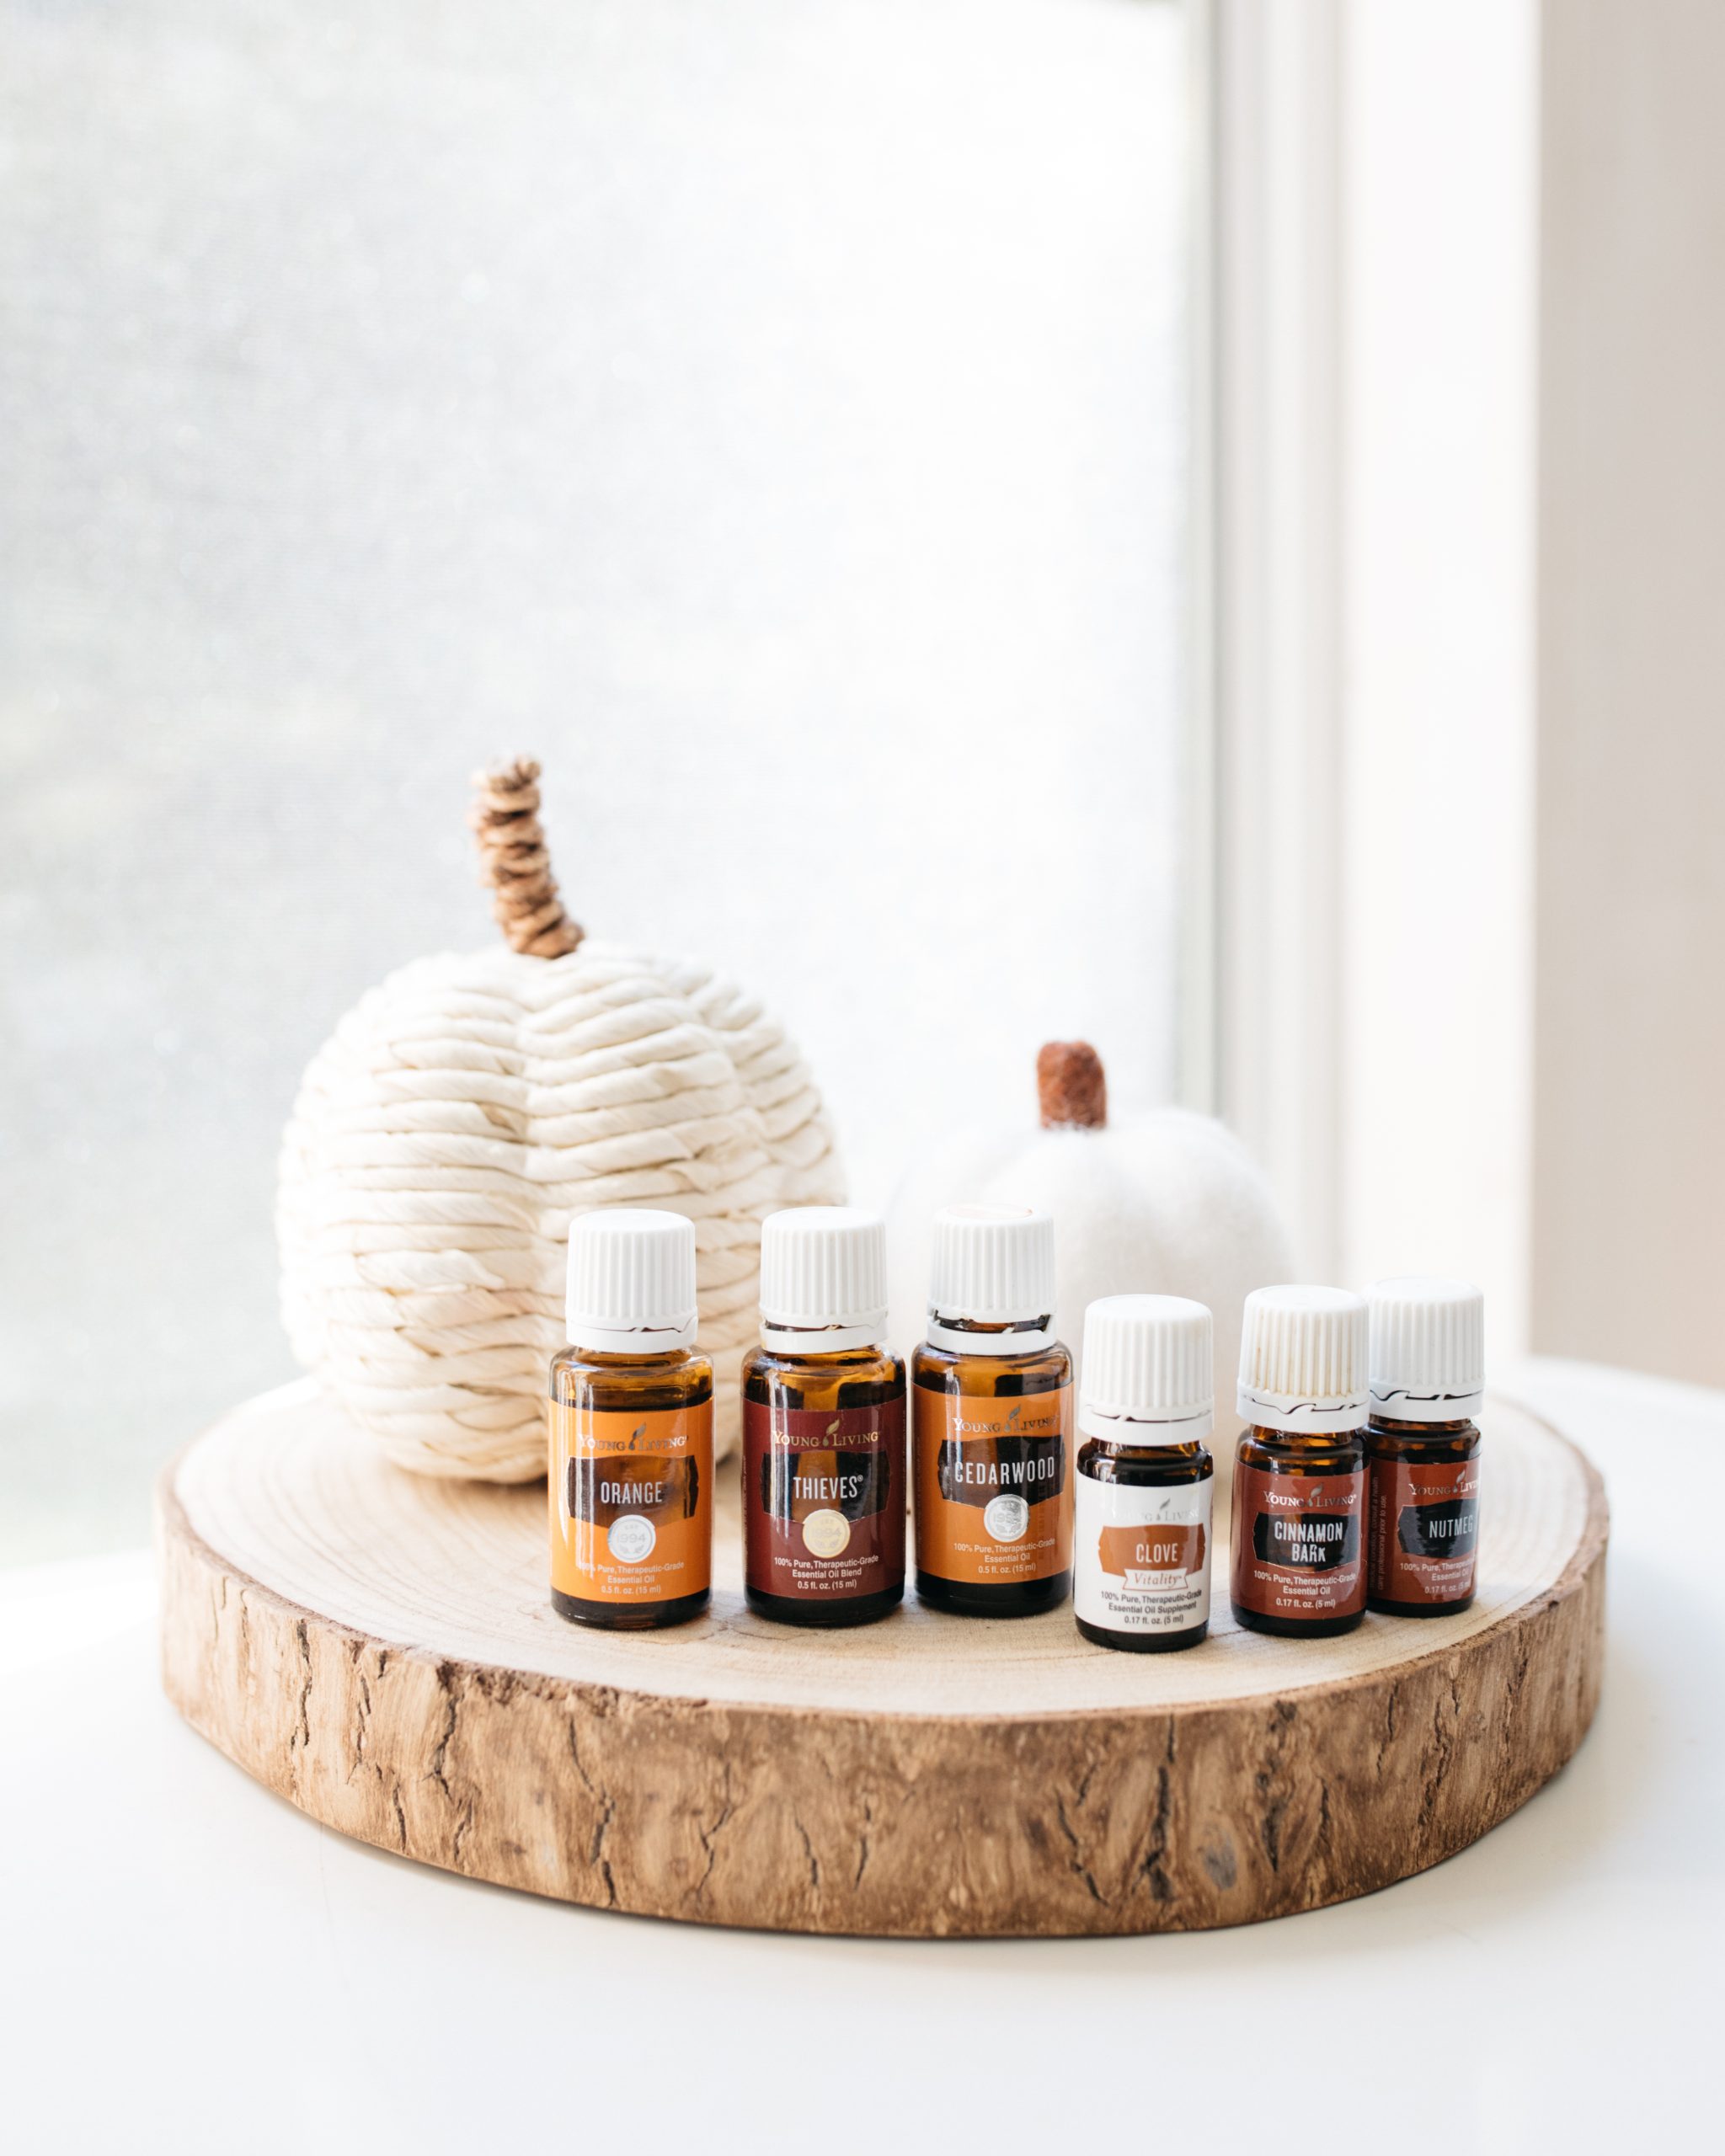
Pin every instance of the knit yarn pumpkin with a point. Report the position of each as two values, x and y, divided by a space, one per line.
470 1106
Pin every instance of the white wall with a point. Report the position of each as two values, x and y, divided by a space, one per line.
1628 1249
1438 296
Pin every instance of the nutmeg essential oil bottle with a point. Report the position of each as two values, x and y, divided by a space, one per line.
1427 1361
824 1460
631 1469
1299 1495
1145 1478
991 1398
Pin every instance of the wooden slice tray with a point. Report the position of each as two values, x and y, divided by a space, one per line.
378 1649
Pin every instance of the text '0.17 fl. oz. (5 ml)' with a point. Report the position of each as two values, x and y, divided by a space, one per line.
991 1400
1145 1478
1299 1495
823 1426
630 1465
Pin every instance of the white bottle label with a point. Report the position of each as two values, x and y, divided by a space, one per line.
1141 1559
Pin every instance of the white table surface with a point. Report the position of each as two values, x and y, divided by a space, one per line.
187 1964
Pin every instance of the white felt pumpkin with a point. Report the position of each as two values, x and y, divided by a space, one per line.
1162 1203
469 1107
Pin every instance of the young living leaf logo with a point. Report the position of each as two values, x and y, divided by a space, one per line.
1014 1416
832 1428
637 1434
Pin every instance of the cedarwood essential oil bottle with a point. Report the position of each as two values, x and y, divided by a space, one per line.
823 1426
1145 1477
1427 1361
630 1429
991 1398
1299 1553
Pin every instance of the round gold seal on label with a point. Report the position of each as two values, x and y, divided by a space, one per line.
824 1535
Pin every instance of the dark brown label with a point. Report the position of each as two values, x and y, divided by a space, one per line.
1423 1530
1296 1546
823 1500
993 1505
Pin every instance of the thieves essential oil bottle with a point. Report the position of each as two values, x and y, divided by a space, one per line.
1145 1477
1421 1443
1299 1544
991 1398
823 1426
630 1429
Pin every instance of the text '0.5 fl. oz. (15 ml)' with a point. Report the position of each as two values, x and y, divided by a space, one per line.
823 1426
991 1397
630 1465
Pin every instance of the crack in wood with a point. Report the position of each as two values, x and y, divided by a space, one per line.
1076 1859
709 1835
862 1849
300 1742
605 1807
814 1862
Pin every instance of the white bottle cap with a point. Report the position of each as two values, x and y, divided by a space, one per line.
823 1280
1427 1349
632 1282
1149 1376
992 1265
1302 1360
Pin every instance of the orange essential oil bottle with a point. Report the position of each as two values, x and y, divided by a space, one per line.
1299 1497
1145 1477
823 1426
991 1402
630 1429
1428 1383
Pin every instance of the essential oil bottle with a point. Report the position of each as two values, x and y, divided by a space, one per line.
630 1429
823 1426
1299 1551
1427 1360
992 1402
1145 1478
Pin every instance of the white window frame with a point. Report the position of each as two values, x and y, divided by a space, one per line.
1359 980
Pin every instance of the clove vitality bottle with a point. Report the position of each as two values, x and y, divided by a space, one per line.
630 1429
991 1402
1299 1497
823 1460
1145 1478
1428 1383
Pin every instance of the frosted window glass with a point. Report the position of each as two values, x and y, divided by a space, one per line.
768 412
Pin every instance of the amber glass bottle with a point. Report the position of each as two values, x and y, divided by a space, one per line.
1428 1382
824 1459
1145 1478
991 1397
630 1467
1298 1494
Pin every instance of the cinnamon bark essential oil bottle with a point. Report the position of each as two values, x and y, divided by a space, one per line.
1299 1497
1428 1383
1145 1478
630 1429
991 1397
823 1426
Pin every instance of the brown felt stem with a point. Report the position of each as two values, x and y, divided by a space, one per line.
515 863
1071 1086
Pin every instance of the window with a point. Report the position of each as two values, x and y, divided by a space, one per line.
771 414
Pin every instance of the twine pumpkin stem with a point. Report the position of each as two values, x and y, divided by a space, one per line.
514 861
1071 1086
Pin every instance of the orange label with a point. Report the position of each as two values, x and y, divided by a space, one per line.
630 1502
994 1489
1157 1548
